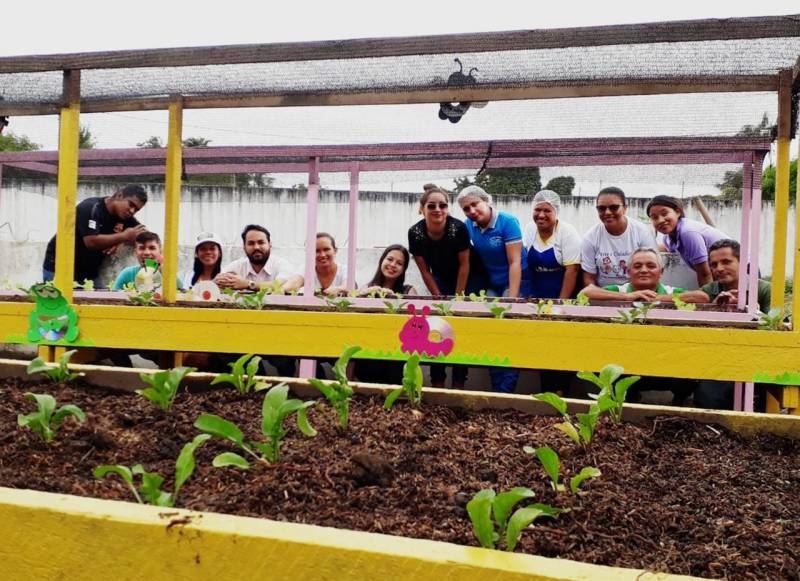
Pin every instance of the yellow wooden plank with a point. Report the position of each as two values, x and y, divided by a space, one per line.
791 397
172 197
696 352
781 190
69 129
91 539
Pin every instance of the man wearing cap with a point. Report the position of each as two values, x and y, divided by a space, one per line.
101 224
258 268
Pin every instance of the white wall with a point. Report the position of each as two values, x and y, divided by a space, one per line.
28 220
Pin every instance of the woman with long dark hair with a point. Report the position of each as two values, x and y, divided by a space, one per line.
207 259
391 272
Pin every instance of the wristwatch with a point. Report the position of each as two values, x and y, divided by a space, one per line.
251 285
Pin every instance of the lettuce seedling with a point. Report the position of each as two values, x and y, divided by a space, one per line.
58 374
586 422
274 411
489 514
412 384
771 320
680 305
612 396
46 420
497 310
552 465
253 301
150 488
395 307
243 374
143 298
443 309
478 298
340 305
163 385
339 392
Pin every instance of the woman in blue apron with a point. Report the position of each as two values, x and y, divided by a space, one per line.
552 250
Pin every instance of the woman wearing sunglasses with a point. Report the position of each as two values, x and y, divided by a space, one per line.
607 245
440 245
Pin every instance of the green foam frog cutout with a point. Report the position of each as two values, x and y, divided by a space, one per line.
52 319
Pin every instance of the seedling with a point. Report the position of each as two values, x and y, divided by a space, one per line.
443 309
771 320
243 374
544 307
680 305
586 422
87 284
144 298
46 420
150 488
58 374
339 392
489 514
497 310
340 305
395 307
163 385
381 293
612 396
253 301
636 314
412 384
274 411
552 465
478 298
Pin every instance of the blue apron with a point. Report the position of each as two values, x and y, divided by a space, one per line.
546 274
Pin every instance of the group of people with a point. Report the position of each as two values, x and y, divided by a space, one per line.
616 259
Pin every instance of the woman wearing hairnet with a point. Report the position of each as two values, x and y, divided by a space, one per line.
552 250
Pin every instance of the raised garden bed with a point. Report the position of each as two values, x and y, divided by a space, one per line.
675 495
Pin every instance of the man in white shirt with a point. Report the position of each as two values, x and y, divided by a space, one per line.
258 268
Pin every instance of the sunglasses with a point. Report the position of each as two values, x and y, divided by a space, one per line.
610 208
434 205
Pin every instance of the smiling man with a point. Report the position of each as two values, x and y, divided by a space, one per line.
723 260
101 224
258 266
644 282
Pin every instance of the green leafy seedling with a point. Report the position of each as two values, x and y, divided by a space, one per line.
163 386
143 298
412 384
497 310
443 309
243 374
274 411
395 307
552 465
46 420
59 373
582 429
771 320
254 301
492 518
150 488
612 395
681 305
478 298
340 305
339 392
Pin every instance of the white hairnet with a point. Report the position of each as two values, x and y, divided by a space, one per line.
474 192
548 197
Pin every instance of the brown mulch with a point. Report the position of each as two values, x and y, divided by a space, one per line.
674 495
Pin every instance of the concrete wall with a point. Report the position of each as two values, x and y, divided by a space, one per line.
28 220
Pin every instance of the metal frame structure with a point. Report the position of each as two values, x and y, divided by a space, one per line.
728 354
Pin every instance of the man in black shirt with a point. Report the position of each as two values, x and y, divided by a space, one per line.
101 224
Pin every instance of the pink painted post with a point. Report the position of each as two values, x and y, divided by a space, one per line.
352 227
744 258
755 234
749 396
737 396
308 367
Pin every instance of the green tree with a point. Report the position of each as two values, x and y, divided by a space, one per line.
506 181
85 138
195 142
761 129
562 185
13 142
731 185
151 142
768 182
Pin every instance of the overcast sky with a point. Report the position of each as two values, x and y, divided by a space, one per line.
39 28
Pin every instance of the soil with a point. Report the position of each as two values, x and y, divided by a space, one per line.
674 495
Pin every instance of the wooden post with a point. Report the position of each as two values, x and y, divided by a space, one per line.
781 189
352 227
308 367
172 200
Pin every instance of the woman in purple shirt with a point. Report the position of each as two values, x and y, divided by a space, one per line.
689 238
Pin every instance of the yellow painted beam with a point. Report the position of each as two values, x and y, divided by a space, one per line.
91 539
781 190
796 273
172 199
68 138
665 351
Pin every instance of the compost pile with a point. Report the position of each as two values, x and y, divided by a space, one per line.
674 495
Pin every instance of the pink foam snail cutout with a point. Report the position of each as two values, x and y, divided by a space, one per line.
427 336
